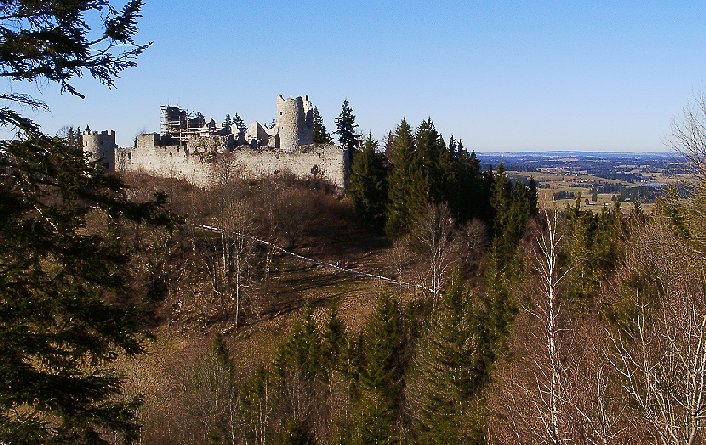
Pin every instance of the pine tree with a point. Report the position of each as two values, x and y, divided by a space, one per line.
239 124
368 185
434 162
321 136
345 129
381 374
406 186
227 122
445 387
59 333
301 353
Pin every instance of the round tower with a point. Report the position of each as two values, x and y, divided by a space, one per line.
100 146
294 122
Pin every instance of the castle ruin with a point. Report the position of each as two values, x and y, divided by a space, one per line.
192 148
101 146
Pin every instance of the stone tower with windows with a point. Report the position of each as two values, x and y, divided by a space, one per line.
100 146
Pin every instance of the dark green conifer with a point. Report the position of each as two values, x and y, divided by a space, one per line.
444 391
381 374
301 353
227 122
321 136
406 187
368 185
239 124
434 162
345 128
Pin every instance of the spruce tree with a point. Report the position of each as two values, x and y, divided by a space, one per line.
227 122
345 128
299 371
444 392
383 352
239 124
63 315
434 162
321 136
468 200
406 186
334 346
301 352
368 185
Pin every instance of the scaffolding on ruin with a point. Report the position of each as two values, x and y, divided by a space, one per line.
177 124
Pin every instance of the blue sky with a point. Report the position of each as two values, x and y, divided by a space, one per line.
554 75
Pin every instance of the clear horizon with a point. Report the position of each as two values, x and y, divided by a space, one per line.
585 76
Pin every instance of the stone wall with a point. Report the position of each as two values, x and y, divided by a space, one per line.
326 161
289 146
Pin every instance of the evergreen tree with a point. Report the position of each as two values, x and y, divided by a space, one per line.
301 353
321 136
381 374
239 124
468 200
345 129
453 147
435 163
227 122
498 310
368 185
444 391
533 196
373 420
406 186
389 142
334 346
512 207
58 332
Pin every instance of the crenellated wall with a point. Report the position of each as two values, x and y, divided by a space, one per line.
101 146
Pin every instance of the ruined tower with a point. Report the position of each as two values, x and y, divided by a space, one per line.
295 122
101 147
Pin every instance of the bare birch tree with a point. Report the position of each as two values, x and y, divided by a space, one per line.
660 348
689 134
552 391
433 237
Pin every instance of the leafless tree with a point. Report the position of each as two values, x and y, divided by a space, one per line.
473 242
689 134
225 170
660 349
231 258
558 386
399 258
434 239
551 391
